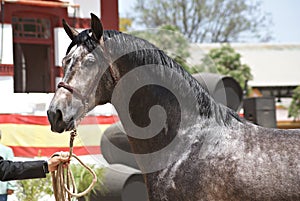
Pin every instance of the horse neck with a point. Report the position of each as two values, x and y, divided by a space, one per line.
149 78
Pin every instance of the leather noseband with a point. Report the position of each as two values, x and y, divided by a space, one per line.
72 90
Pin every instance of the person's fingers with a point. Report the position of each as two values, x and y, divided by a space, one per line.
65 165
60 154
64 155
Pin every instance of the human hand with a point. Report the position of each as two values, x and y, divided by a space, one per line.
58 158
9 191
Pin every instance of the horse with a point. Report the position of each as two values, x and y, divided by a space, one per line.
188 147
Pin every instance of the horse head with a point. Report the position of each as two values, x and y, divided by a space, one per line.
86 78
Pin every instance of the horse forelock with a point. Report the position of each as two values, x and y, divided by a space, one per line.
83 38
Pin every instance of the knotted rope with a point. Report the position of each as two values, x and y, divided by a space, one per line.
64 186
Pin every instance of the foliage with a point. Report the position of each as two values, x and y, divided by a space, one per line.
170 40
227 62
34 189
167 38
294 108
125 24
83 179
37 189
208 20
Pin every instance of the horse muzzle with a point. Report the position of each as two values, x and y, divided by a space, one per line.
57 123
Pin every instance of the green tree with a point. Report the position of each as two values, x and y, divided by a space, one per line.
208 20
169 39
294 108
227 62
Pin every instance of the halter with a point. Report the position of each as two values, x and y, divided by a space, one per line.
72 90
84 38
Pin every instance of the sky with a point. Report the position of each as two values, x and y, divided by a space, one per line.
285 15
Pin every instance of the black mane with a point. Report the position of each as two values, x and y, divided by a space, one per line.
143 52
142 49
110 34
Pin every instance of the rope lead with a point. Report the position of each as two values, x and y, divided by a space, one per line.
64 186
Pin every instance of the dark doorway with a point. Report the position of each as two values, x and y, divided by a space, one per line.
32 68
33 53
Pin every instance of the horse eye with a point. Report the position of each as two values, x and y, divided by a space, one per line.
90 61
68 61
65 62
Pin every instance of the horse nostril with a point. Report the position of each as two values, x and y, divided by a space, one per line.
54 117
56 121
58 116
50 115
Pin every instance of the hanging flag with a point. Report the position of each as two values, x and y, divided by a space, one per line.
31 136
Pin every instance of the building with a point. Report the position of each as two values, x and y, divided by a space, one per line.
33 41
274 68
32 45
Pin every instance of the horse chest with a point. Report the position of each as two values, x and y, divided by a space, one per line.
188 179
187 183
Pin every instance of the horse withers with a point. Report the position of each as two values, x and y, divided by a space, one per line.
188 147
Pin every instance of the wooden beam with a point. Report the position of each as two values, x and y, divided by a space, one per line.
110 14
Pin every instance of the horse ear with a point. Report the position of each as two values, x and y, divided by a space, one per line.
72 33
97 28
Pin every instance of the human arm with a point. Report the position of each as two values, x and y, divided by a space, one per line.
11 185
10 170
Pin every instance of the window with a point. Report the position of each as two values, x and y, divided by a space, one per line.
33 53
31 28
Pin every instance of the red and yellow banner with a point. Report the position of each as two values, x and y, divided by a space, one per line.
31 136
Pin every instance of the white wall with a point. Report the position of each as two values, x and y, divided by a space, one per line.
86 7
61 43
7 46
6 85
271 64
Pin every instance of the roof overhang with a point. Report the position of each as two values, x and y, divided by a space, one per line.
43 3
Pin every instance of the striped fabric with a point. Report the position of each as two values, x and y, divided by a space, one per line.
31 136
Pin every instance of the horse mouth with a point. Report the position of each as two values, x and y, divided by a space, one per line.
61 126
58 124
71 125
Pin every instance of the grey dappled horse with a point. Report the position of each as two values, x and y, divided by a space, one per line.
187 146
